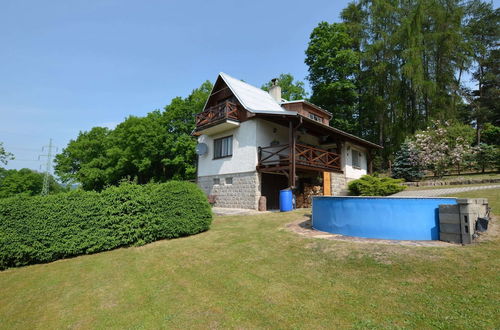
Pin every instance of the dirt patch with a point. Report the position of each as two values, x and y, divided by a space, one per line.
303 227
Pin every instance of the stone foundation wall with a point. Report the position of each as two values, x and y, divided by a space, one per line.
338 184
242 193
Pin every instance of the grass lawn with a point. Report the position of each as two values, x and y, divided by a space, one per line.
249 272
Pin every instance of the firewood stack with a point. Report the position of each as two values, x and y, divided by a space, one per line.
304 199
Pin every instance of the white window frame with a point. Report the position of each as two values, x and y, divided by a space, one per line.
225 149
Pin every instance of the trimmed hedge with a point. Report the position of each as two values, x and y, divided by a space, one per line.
374 186
45 228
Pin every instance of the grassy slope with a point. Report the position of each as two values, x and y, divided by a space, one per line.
249 272
490 175
450 186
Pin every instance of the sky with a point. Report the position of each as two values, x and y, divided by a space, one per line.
67 66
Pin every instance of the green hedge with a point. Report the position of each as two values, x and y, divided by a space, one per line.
45 228
374 186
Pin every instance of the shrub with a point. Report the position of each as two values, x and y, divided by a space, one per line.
373 186
46 228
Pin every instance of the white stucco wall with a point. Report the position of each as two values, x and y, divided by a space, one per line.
265 133
244 158
258 132
350 171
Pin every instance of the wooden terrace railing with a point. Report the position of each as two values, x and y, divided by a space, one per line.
226 110
304 155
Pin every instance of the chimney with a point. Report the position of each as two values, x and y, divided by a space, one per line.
275 90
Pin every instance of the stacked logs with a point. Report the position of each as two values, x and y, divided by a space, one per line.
304 199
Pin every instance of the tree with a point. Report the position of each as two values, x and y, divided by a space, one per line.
491 134
332 67
442 145
25 181
157 147
4 155
290 90
486 156
85 160
483 31
404 65
406 163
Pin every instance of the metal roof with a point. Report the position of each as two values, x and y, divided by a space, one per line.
254 99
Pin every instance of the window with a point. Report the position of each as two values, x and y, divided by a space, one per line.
315 117
356 158
229 180
216 181
223 147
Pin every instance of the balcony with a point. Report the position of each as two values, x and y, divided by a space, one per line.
217 118
276 158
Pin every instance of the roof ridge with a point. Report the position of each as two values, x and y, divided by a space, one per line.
244 82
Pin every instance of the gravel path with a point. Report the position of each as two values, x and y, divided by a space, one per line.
441 192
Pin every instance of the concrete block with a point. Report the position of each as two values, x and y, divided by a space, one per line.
452 238
450 228
444 208
449 218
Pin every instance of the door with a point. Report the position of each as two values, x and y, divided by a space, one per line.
271 184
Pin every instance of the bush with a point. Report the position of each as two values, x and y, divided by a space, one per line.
46 228
373 186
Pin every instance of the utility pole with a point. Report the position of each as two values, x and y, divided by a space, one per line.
45 187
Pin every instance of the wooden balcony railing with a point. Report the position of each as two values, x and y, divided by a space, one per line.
305 155
226 110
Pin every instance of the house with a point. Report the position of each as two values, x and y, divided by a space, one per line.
252 143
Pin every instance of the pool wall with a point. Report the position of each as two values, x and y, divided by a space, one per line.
379 217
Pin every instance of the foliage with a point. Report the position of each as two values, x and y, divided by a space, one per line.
290 90
482 32
486 157
442 145
375 186
46 228
157 147
491 134
406 164
25 181
4 155
332 67
392 67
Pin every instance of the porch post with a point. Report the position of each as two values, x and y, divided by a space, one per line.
291 140
370 161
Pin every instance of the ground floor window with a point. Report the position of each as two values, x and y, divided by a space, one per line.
223 147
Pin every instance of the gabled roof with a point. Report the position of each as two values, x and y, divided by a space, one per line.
254 99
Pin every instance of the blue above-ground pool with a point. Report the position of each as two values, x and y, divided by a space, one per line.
407 218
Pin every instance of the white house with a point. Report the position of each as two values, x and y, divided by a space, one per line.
252 143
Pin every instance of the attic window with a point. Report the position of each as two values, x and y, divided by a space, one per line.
315 117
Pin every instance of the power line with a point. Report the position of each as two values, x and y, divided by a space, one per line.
45 187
